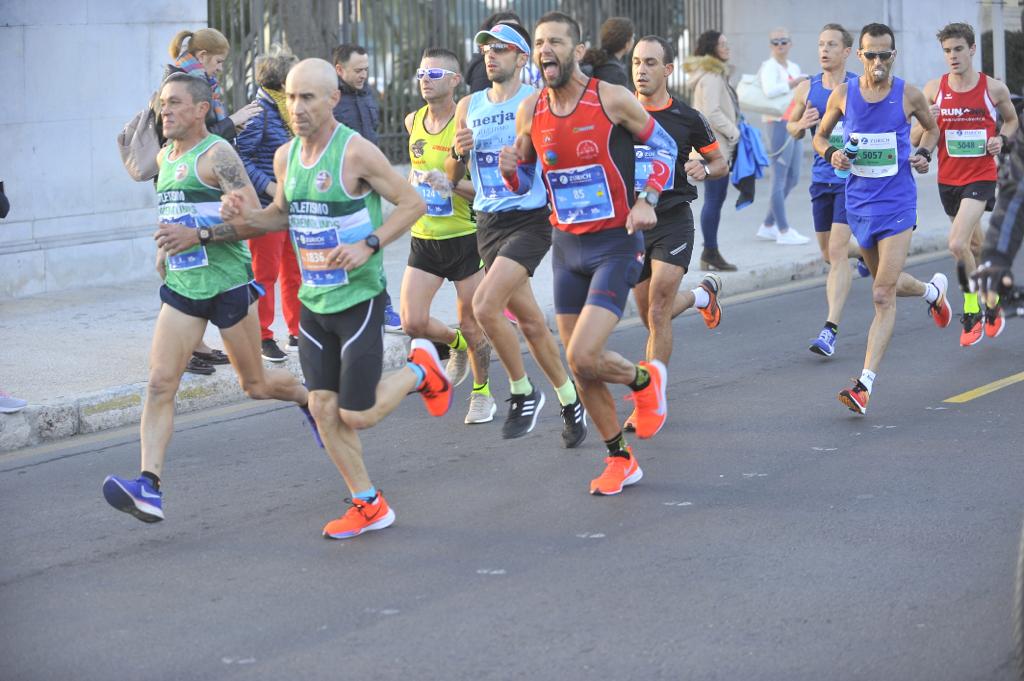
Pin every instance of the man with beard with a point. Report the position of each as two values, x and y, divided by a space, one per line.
583 132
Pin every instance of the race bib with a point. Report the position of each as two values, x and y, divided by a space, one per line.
314 241
485 163
836 138
192 258
966 143
876 155
438 205
580 194
645 165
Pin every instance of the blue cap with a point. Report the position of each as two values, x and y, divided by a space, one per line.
505 34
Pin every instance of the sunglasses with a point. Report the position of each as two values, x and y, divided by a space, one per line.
779 41
871 56
433 74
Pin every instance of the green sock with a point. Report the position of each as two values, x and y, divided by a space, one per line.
484 389
566 393
459 344
521 386
640 381
616 445
971 303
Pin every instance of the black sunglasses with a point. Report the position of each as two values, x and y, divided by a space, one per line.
779 41
871 56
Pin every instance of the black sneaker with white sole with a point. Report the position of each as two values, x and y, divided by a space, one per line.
522 414
271 352
293 344
574 426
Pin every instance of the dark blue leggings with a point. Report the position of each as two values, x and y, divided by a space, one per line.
711 212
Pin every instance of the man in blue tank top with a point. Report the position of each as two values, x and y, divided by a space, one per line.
828 191
513 235
881 196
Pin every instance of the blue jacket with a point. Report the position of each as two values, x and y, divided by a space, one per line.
359 110
751 160
258 141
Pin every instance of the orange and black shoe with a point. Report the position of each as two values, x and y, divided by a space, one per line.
651 402
362 516
972 332
856 398
712 314
940 311
620 470
630 425
994 322
435 389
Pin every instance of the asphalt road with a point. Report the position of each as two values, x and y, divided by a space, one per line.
775 534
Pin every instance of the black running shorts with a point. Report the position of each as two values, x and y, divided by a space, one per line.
453 259
523 236
981 191
344 352
224 310
670 241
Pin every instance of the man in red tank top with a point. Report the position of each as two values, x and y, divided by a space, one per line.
965 103
583 131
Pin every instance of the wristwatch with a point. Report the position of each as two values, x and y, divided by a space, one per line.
707 169
461 158
205 234
650 197
373 242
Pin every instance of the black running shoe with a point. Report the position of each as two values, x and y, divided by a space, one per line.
271 352
574 428
293 344
522 414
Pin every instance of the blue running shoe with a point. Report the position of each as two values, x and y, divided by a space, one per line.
392 322
825 343
136 497
862 268
312 424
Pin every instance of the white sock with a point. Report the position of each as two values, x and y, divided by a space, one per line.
701 298
867 378
931 292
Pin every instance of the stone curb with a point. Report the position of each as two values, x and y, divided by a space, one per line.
122 405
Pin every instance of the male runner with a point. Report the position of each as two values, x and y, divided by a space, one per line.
207 282
669 245
582 129
444 240
964 103
333 179
828 191
513 235
881 197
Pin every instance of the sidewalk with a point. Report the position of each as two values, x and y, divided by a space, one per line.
80 356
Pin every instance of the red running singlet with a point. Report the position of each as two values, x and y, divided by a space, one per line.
966 121
588 164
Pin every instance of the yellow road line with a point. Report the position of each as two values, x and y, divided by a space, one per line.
986 389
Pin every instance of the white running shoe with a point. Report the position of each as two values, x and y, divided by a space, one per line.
791 237
766 233
481 408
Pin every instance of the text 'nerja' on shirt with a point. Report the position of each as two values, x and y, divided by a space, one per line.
202 271
448 214
321 216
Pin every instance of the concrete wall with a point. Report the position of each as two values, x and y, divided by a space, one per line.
74 71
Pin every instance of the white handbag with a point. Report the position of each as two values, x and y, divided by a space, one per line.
753 100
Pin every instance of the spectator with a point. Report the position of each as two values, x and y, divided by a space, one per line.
708 73
272 256
358 108
606 62
778 77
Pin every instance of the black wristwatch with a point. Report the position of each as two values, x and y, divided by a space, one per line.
373 242
461 158
1006 140
921 151
205 234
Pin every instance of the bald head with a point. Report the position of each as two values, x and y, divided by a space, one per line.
312 92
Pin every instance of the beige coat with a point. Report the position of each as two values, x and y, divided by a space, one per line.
708 79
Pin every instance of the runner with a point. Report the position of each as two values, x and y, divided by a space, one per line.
513 235
828 191
965 103
333 179
669 245
881 197
203 282
444 240
582 129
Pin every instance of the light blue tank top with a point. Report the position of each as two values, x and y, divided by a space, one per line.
817 96
880 183
494 126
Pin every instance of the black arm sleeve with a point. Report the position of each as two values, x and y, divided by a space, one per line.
1006 229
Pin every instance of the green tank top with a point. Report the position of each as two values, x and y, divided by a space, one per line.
203 271
447 216
322 215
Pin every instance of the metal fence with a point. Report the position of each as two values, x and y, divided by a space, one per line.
395 32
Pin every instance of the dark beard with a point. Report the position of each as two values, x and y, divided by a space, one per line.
565 71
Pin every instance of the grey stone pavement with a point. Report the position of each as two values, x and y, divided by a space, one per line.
80 356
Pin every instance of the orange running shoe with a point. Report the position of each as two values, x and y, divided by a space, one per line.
651 404
855 398
712 314
630 425
940 311
436 389
994 322
619 471
972 332
363 516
